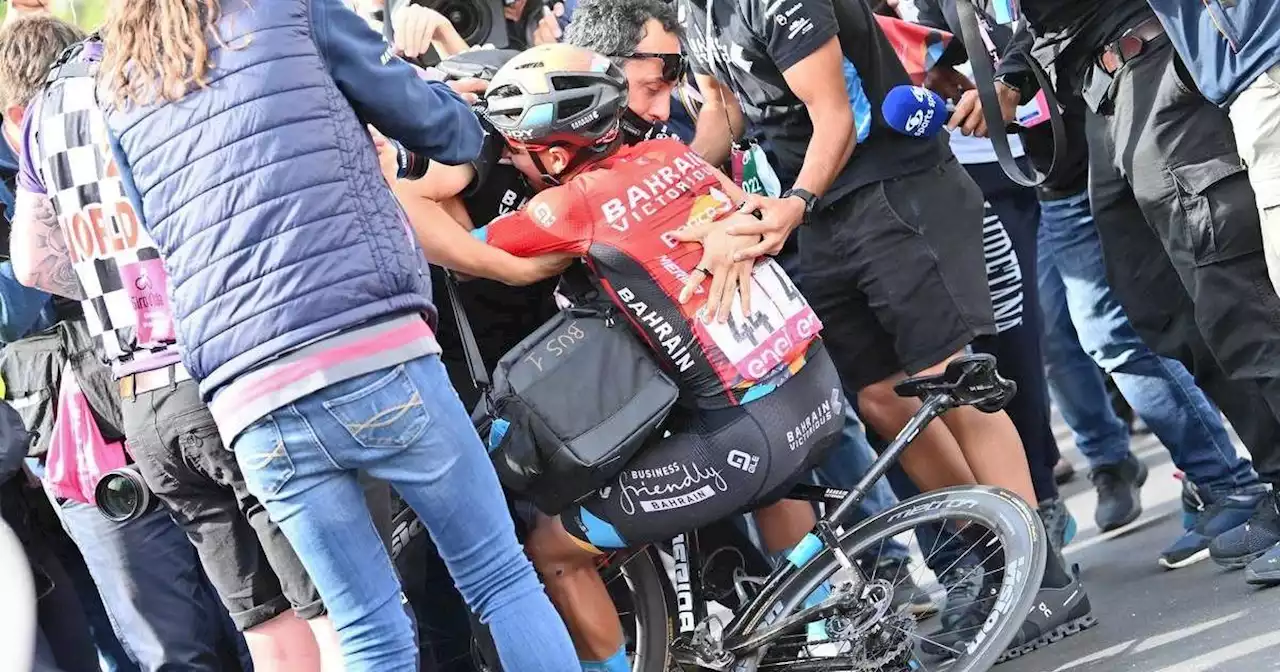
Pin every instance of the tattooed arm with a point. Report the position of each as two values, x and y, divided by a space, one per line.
38 247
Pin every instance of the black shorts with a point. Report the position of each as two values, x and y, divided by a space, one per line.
716 463
896 271
250 563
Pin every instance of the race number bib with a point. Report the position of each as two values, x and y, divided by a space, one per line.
780 325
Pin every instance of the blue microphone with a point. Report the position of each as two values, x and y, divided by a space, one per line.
915 111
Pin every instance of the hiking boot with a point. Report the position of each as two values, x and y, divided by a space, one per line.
1119 492
1216 515
1242 545
1063 471
1059 524
906 593
1057 613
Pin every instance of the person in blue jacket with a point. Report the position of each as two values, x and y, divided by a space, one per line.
304 304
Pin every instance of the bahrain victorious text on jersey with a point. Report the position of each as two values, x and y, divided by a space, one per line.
621 214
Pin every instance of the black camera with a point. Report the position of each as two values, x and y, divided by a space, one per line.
478 22
122 495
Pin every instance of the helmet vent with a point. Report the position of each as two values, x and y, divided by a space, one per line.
575 106
571 82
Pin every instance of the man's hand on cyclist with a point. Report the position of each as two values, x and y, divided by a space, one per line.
767 234
728 277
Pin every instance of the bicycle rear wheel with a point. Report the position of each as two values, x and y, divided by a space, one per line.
987 529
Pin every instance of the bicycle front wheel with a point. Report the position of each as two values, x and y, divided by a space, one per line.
987 537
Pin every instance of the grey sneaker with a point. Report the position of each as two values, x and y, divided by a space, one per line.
1059 524
964 587
964 613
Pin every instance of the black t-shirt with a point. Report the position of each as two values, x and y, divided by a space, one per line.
757 40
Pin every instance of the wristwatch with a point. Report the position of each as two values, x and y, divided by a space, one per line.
1017 82
810 201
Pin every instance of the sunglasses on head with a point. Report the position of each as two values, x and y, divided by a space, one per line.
673 65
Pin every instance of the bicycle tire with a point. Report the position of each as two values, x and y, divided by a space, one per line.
1019 529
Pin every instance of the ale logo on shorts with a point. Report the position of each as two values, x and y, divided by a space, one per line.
743 461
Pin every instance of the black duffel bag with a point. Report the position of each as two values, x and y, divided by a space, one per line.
569 405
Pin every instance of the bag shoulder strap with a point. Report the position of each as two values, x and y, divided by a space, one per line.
470 347
984 78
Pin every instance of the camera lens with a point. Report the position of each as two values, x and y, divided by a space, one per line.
122 495
470 18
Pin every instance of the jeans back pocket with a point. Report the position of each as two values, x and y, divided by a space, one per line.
263 457
387 413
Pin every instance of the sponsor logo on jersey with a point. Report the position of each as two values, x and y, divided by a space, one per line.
660 328
814 421
664 185
686 484
511 201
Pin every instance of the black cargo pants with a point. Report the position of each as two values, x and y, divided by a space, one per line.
1182 241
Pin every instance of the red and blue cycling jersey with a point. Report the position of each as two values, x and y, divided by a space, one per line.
620 215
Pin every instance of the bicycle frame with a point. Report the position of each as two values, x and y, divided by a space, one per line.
738 638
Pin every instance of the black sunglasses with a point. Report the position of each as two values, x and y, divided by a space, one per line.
673 65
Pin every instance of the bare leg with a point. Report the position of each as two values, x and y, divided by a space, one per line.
783 524
568 570
934 460
283 644
986 445
327 639
991 446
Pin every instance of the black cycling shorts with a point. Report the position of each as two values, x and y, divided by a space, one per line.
716 463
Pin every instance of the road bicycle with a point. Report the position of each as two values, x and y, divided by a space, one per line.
681 609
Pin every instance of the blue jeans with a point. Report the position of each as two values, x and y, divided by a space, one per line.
406 426
161 605
1085 329
849 461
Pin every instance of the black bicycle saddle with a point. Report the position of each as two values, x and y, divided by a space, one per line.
969 380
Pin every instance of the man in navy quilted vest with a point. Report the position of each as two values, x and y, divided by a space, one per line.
302 303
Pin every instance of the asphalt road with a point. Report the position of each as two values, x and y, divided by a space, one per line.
1197 619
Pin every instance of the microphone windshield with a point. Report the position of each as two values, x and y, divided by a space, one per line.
915 111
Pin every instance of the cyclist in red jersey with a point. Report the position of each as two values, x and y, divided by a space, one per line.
761 398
